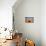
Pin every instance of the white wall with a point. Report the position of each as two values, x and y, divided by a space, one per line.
43 22
6 13
29 8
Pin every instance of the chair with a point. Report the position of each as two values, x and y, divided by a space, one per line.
18 37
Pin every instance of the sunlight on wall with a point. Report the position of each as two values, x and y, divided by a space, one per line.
6 13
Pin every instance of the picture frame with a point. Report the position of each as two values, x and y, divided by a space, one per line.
29 19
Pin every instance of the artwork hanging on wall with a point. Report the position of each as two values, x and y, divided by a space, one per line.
29 19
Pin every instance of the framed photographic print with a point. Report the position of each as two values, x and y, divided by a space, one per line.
29 19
